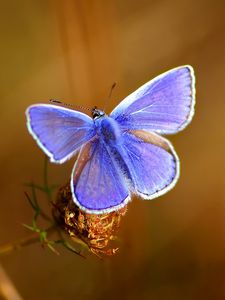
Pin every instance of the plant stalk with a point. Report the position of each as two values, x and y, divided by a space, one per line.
29 240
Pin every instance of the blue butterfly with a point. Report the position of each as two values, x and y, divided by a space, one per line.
120 154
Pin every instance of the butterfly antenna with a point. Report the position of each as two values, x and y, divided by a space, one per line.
110 94
70 105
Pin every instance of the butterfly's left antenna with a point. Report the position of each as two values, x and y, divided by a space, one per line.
69 105
110 94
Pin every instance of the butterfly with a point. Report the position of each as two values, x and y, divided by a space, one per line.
122 153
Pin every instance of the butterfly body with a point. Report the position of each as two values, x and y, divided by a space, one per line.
113 138
108 129
122 153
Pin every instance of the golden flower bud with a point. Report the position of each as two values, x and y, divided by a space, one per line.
96 231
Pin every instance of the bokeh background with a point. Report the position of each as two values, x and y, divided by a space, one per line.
73 50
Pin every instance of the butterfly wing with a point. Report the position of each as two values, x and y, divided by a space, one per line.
152 163
164 105
97 184
59 131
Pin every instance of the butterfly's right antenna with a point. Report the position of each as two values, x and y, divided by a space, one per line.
69 105
110 94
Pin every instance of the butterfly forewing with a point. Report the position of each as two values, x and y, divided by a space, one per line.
59 131
163 105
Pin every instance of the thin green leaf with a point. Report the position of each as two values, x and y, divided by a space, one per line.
29 227
49 244
71 248
34 196
38 187
43 236
30 201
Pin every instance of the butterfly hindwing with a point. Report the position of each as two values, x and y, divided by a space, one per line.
152 163
163 105
59 131
97 184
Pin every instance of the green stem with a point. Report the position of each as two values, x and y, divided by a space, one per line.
47 189
46 171
32 239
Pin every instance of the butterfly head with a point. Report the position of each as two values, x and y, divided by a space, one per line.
97 113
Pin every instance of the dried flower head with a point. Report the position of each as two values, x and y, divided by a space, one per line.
96 231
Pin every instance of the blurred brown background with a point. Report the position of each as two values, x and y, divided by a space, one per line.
73 50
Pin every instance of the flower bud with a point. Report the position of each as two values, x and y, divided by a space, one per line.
97 231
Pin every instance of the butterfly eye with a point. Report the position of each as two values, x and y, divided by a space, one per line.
97 113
